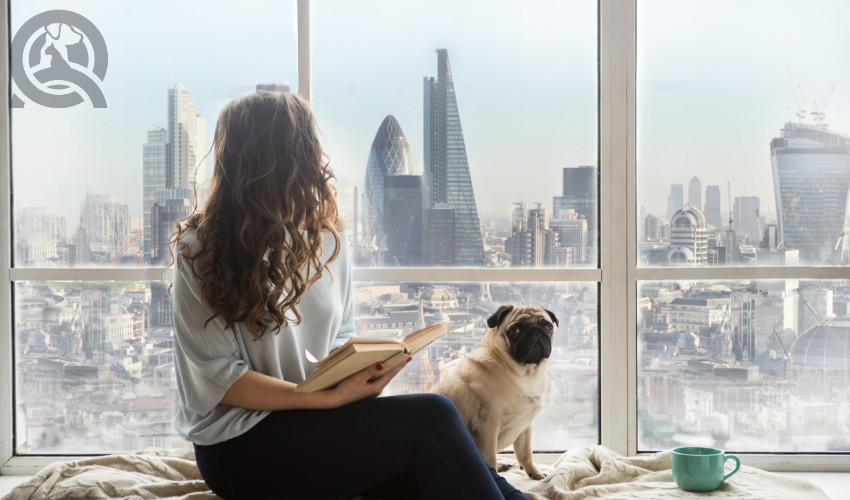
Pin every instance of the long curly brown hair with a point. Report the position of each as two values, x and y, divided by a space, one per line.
270 198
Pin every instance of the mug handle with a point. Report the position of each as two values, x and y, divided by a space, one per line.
737 465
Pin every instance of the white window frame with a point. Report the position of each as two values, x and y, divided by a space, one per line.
617 274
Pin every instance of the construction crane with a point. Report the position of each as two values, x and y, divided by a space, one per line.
729 200
799 96
126 247
818 103
819 113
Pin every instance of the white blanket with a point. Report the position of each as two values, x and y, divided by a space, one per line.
131 476
580 473
599 472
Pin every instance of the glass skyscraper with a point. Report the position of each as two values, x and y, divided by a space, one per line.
811 176
154 167
389 156
186 139
447 182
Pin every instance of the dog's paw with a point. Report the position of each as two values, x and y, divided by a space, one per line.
536 475
504 466
533 472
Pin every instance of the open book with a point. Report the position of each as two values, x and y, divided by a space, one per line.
359 353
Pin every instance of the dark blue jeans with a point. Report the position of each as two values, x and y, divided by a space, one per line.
399 447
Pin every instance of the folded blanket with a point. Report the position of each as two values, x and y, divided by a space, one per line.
599 472
580 473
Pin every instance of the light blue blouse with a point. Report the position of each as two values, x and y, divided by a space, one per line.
210 358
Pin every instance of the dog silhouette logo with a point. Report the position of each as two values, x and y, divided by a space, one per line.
59 60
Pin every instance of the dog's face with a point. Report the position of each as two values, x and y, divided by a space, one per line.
526 330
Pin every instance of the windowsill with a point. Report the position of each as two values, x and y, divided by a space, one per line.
834 484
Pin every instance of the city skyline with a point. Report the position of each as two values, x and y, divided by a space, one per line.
660 92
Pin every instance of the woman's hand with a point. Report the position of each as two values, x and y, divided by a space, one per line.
256 391
364 384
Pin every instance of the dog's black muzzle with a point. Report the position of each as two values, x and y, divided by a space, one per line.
532 345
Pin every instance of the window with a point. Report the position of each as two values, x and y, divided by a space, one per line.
484 154
454 165
742 176
97 187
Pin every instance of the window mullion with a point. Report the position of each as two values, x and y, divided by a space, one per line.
617 215
303 17
6 365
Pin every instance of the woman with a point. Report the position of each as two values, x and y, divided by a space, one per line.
263 273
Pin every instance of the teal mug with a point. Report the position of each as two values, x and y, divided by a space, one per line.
700 469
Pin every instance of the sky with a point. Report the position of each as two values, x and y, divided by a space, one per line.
713 88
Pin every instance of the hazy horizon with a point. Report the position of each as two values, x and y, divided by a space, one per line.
712 90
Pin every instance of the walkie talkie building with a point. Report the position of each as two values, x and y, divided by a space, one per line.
811 177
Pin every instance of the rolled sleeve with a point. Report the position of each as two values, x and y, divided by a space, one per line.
208 358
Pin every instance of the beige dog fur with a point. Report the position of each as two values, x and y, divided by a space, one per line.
496 396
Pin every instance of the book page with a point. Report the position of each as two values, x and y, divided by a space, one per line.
415 341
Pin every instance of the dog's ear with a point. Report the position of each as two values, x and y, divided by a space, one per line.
498 316
551 315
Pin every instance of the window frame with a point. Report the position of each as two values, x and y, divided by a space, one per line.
617 274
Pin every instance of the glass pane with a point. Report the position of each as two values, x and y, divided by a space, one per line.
570 415
516 184
94 368
114 111
94 365
743 152
755 366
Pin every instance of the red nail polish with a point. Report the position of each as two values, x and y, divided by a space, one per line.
379 366
409 360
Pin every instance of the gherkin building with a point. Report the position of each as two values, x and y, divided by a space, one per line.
389 156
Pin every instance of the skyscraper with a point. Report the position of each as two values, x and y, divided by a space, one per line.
154 160
403 219
186 141
745 215
712 206
675 201
695 192
579 194
389 156
446 177
172 160
811 177
40 236
106 221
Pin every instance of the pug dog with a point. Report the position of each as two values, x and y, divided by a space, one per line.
498 388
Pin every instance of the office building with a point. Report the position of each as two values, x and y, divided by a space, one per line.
106 221
688 237
186 141
695 193
403 220
811 176
164 218
579 193
388 156
154 160
712 206
745 215
675 201
40 237
447 181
